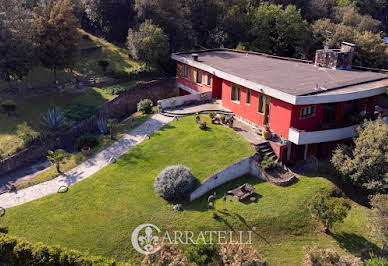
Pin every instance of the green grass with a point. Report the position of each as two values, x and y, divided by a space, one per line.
117 57
31 110
100 213
77 158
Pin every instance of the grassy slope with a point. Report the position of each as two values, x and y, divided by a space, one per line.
99 214
31 109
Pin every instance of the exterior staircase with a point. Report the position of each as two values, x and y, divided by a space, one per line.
265 149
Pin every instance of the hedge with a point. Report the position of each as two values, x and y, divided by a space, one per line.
14 251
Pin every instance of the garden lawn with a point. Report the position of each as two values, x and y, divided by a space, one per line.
100 213
32 108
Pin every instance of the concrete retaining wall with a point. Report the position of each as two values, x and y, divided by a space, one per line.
233 171
185 100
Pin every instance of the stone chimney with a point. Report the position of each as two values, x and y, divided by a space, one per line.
336 58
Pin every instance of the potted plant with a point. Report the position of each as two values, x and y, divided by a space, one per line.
230 121
222 118
267 134
85 151
212 116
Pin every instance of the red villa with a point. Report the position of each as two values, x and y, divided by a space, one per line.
310 106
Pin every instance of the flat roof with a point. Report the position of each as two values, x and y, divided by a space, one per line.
291 76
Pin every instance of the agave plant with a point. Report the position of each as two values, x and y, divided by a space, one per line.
54 118
103 126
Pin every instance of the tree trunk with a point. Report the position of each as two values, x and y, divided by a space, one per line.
58 167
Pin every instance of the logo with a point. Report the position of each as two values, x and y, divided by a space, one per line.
144 240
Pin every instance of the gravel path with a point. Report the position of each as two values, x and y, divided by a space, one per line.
89 167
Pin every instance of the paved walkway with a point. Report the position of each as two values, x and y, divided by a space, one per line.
89 167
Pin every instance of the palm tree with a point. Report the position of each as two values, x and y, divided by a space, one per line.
57 157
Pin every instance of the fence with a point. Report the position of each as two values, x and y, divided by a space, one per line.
120 107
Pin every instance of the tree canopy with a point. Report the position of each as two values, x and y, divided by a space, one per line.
366 162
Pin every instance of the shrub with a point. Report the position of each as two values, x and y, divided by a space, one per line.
328 210
235 254
112 125
14 251
222 118
54 119
175 182
376 261
201 253
79 112
202 125
145 106
57 157
212 115
87 140
8 106
102 125
379 217
318 256
26 133
268 163
167 255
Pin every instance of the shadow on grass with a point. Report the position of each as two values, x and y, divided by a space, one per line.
4 230
352 243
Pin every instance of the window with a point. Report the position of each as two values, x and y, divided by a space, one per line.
262 99
236 92
209 79
248 99
185 71
308 111
199 76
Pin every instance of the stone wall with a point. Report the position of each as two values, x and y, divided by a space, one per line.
120 107
233 171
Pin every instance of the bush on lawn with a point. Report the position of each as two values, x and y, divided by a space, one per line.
8 106
316 255
202 125
175 183
145 106
14 251
87 140
168 254
79 112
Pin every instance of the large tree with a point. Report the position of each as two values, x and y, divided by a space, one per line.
149 43
15 41
279 31
56 35
366 162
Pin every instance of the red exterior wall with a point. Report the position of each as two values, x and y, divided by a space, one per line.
280 117
247 111
310 123
217 87
193 85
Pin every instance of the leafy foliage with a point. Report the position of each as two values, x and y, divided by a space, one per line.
145 106
202 125
54 119
87 140
236 254
175 183
79 112
26 133
328 210
365 163
201 253
268 163
56 35
167 255
102 125
112 125
316 255
149 44
14 251
57 157
376 261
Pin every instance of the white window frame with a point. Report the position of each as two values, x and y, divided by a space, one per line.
307 111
